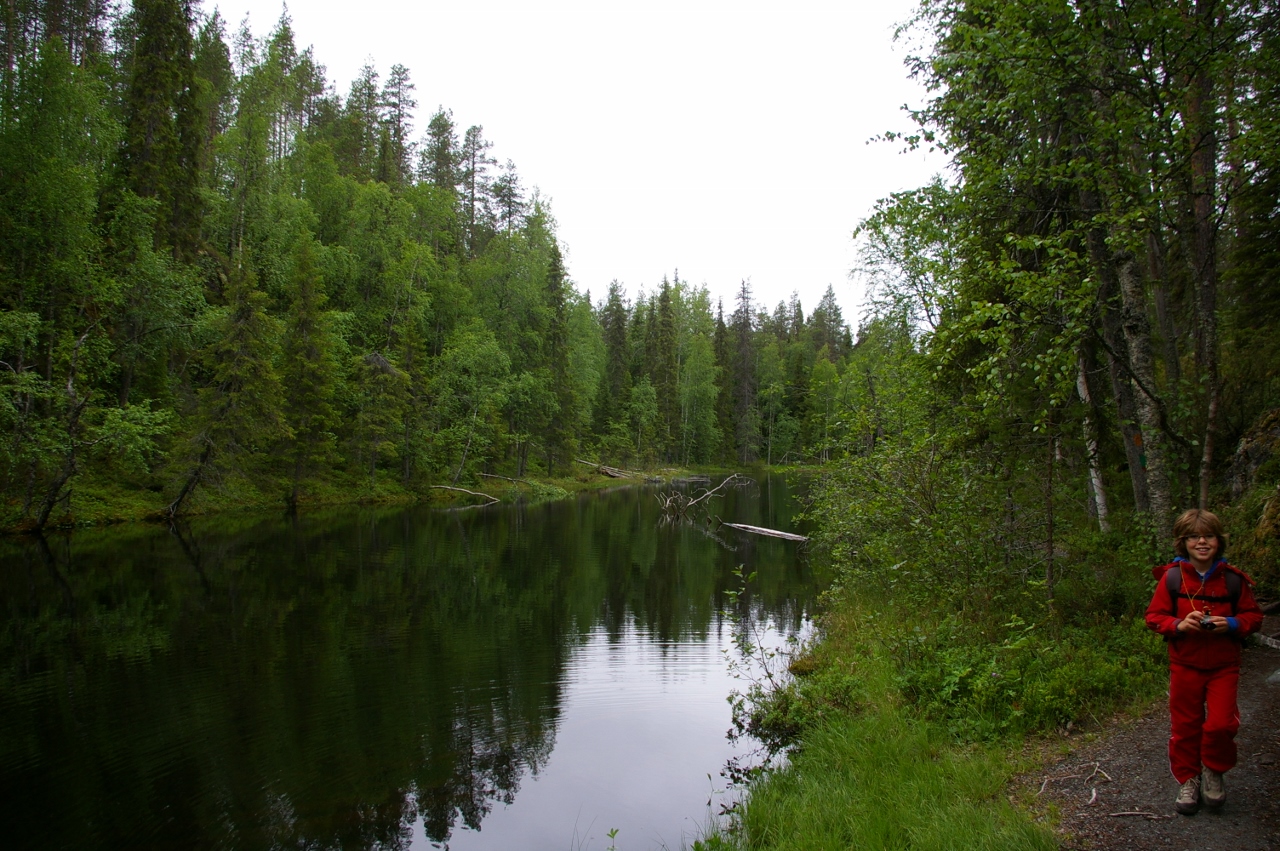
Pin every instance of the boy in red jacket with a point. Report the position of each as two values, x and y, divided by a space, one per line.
1204 608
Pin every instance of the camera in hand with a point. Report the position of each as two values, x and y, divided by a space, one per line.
1206 622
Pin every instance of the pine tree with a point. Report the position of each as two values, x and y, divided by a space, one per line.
395 160
474 162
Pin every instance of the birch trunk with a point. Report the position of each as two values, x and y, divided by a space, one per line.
1137 334
1097 488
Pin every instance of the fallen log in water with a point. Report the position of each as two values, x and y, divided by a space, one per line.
611 472
760 530
492 499
507 479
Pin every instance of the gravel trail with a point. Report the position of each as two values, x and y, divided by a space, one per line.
1128 767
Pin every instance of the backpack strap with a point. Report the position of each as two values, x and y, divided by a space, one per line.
1173 582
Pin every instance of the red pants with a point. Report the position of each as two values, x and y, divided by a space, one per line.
1201 737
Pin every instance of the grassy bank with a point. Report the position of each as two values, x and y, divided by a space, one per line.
902 731
97 500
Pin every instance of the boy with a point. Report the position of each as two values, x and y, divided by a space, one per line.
1204 608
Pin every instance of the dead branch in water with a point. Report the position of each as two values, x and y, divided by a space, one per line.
492 499
611 472
676 504
507 479
760 530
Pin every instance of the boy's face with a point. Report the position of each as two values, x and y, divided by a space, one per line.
1201 547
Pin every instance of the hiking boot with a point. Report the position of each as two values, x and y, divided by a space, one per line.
1188 802
1215 792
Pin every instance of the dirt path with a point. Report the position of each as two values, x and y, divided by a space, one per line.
1134 756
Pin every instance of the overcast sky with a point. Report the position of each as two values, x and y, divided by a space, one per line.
727 140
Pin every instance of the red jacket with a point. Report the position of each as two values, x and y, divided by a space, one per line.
1203 650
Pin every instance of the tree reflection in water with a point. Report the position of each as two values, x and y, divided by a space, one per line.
329 681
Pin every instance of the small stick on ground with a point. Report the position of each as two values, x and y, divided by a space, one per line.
1097 769
1145 815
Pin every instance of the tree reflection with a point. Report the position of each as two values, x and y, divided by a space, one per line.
326 680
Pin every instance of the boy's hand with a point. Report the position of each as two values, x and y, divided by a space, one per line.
1191 623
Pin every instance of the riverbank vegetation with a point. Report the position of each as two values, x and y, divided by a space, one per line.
1071 339
222 280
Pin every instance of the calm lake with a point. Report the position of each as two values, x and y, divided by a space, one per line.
519 676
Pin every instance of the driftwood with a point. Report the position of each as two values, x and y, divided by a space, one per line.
772 533
611 472
507 479
492 499
678 504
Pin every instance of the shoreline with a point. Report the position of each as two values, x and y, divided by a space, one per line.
97 504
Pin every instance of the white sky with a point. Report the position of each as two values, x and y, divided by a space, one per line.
723 139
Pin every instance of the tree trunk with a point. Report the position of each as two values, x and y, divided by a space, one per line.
1117 351
1137 333
175 507
53 495
1201 119
463 463
1097 488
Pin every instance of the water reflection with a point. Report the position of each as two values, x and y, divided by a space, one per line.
376 678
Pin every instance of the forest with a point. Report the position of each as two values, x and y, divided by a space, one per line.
1079 331
223 282
1073 336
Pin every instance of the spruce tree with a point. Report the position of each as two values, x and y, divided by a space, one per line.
665 372
164 131
240 407
560 433
746 427
724 383
309 369
615 382
439 159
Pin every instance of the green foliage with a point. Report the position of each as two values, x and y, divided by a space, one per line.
1030 680
883 781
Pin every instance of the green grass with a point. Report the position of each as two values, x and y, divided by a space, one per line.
886 780
900 742
104 499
